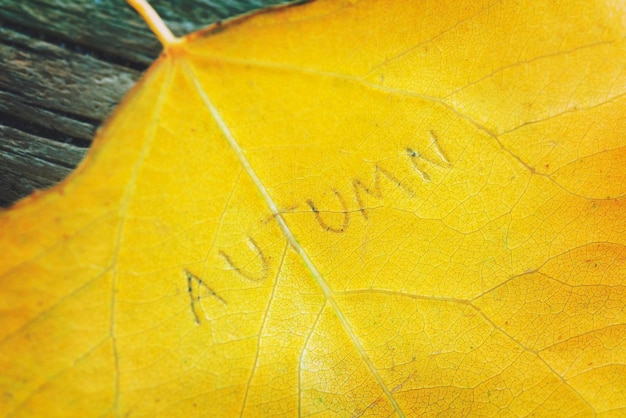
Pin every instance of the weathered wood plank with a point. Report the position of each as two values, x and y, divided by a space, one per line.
54 78
30 162
64 65
53 123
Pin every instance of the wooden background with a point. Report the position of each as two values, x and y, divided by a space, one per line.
65 64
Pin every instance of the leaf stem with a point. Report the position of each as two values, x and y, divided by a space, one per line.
152 18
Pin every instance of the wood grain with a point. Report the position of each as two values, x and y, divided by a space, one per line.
64 66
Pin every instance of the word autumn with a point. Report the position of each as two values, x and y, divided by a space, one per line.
361 190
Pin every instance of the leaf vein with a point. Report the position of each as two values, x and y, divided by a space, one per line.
323 285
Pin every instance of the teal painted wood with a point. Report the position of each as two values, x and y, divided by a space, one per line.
65 65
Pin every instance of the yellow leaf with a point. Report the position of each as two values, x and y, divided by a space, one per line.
342 208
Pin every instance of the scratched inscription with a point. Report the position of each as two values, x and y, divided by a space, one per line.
376 190
419 163
257 276
257 269
198 290
325 225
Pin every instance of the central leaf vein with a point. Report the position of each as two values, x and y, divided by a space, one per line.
317 276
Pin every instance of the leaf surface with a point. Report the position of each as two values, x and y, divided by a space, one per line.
354 208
